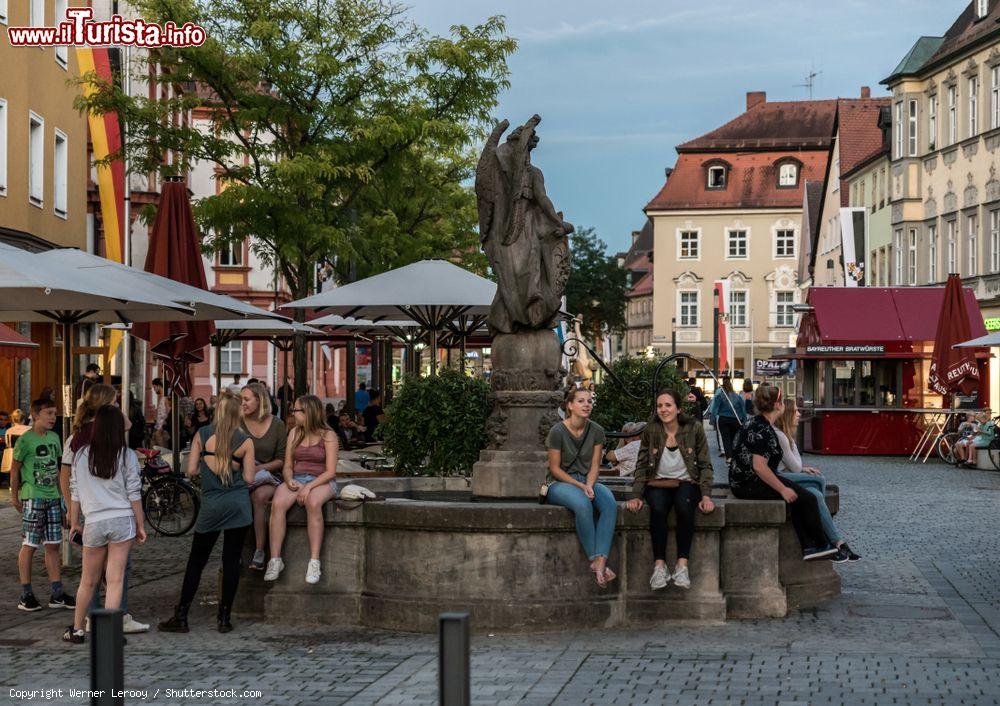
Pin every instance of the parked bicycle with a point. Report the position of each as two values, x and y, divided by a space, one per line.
170 501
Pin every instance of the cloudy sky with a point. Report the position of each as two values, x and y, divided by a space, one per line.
618 84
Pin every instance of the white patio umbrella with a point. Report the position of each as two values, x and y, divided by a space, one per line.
990 340
431 293
277 331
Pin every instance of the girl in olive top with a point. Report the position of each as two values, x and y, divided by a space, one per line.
268 434
225 508
673 471
575 447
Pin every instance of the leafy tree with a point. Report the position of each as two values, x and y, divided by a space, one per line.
436 425
597 286
344 134
613 407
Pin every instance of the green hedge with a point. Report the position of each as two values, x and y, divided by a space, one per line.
613 408
436 425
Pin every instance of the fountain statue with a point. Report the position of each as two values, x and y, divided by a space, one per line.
525 241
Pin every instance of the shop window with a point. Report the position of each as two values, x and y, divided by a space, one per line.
887 373
842 383
821 396
866 383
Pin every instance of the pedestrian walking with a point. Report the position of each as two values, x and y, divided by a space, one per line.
269 437
106 488
161 436
727 414
90 377
34 491
225 509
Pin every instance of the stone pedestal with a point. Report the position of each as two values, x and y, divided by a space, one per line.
526 377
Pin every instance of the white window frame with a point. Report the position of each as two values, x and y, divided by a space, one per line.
972 226
60 174
235 253
912 129
995 240
3 12
952 115
683 308
973 106
742 307
36 13
62 52
952 246
932 123
681 232
731 240
982 8
3 144
912 256
788 174
36 159
899 131
932 236
898 257
228 354
789 244
716 168
995 99
784 314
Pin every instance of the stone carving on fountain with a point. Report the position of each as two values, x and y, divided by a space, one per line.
525 240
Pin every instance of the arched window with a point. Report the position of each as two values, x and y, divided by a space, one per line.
788 173
716 174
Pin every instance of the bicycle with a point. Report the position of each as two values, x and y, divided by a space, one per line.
169 500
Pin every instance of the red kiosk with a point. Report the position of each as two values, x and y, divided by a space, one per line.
865 355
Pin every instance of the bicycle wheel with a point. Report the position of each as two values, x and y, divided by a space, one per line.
946 448
994 452
171 507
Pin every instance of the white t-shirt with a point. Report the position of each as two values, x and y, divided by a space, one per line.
672 465
626 457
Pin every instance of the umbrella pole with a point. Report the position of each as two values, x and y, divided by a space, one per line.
67 332
434 351
218 369
284 387
461 352
175 431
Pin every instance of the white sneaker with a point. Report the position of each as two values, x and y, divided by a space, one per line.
313 572
86 627
274 569
131 625
681 577
660 577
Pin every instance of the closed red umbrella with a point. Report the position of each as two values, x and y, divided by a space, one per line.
953 370
175 252
14 345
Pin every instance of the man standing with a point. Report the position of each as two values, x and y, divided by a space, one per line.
236 388
161 437
373 415
90 376
361 398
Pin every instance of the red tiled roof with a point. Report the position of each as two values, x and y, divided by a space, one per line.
859 134
770 126
637 257
965 31
644 287
752 181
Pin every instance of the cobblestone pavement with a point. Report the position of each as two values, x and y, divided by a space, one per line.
918 623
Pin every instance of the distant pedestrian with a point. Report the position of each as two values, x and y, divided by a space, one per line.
361 398
90 376
34 490
225 509
373 415
161 437
235 387
727 413
106 487
748 398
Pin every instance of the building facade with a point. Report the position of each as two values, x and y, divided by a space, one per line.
945 185
43 174
732 211
638 260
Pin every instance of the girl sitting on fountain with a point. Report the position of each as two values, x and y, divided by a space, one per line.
310 474
575 446
673 471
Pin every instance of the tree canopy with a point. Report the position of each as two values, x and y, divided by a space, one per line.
597 285
343 134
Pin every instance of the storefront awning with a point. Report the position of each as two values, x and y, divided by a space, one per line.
14 345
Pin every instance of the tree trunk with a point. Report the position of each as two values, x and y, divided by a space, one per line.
300 353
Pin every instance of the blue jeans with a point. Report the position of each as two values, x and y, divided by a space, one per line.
817 486
95 601
595 537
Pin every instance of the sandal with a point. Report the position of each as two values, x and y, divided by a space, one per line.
601 580
609 575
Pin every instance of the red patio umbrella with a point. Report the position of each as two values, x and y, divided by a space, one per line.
953 370
175 252
14 345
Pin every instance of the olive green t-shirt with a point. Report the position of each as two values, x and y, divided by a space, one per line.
39 456
270 446
562 439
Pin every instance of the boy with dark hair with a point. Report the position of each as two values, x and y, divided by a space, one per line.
34 490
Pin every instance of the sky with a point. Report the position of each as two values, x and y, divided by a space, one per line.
619 84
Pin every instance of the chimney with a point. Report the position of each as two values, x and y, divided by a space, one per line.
667 172
755 98
866 92
635 235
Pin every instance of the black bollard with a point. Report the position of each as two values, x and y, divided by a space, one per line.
453 659
107 664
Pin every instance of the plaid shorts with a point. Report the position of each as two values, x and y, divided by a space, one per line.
42 522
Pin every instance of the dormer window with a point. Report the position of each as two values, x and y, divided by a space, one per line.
788 175
982 8
717 177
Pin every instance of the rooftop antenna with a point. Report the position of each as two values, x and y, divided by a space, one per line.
810 82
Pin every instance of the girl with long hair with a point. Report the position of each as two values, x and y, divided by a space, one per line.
575 446
225 508
268 434
673 471
310 479
105 485
809 478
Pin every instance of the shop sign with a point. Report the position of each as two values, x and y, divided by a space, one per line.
846 350
772 368
724 373
992 324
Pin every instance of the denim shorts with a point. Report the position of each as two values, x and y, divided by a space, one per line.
303 478
41 522
110 531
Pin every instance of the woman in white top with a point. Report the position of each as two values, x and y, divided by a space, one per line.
809 478
105 485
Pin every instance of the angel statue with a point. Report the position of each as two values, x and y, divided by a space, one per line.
522 234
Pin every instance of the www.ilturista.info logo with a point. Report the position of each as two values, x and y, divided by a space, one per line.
81 30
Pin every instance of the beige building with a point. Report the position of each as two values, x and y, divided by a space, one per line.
945 185
732 210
